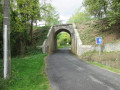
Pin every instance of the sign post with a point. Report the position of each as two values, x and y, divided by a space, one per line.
99 41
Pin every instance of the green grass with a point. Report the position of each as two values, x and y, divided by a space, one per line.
107 60
105 67
28 73
64 46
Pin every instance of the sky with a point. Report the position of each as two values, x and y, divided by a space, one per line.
66 8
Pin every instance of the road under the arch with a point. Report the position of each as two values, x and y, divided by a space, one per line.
67 72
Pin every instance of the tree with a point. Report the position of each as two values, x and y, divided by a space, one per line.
6 40
23 14
113 14
97 8
50 16
29 12
109 9
34 14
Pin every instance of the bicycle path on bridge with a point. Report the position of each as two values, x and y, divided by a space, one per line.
67 72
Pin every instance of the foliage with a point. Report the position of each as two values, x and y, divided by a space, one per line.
79 17
23 14
63 39
38 38
27 73
40 34
1 31
51 16
109 9
96 8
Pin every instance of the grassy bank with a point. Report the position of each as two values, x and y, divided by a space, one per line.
110 61
28 73
89 30
105 67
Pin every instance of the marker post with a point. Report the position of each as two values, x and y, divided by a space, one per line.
6 40
99 49
99 41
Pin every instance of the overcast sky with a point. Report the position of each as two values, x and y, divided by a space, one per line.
66 8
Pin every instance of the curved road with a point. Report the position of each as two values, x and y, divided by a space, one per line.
67 72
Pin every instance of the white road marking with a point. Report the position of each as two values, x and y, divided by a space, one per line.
78 68
95 80
98 81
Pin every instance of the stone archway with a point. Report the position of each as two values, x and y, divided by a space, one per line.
50 45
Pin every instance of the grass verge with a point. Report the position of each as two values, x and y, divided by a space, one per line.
28 73
107 60
105 67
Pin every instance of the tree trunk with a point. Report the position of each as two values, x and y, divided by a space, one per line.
31 30
6 40
105 7
22 48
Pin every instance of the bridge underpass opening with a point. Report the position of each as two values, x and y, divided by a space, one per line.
50 44
63 39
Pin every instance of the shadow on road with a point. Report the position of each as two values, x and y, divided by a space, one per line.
63 50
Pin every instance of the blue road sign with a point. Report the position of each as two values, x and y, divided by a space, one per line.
99 40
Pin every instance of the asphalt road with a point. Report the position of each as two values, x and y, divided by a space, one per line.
67 72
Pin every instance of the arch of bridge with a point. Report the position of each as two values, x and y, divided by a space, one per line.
50 44
67 28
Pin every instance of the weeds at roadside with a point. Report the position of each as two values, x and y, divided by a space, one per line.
110 59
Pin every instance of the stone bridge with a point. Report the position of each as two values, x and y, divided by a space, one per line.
50 44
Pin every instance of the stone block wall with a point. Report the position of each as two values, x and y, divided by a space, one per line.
105 48
81 49
48 44
111 47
